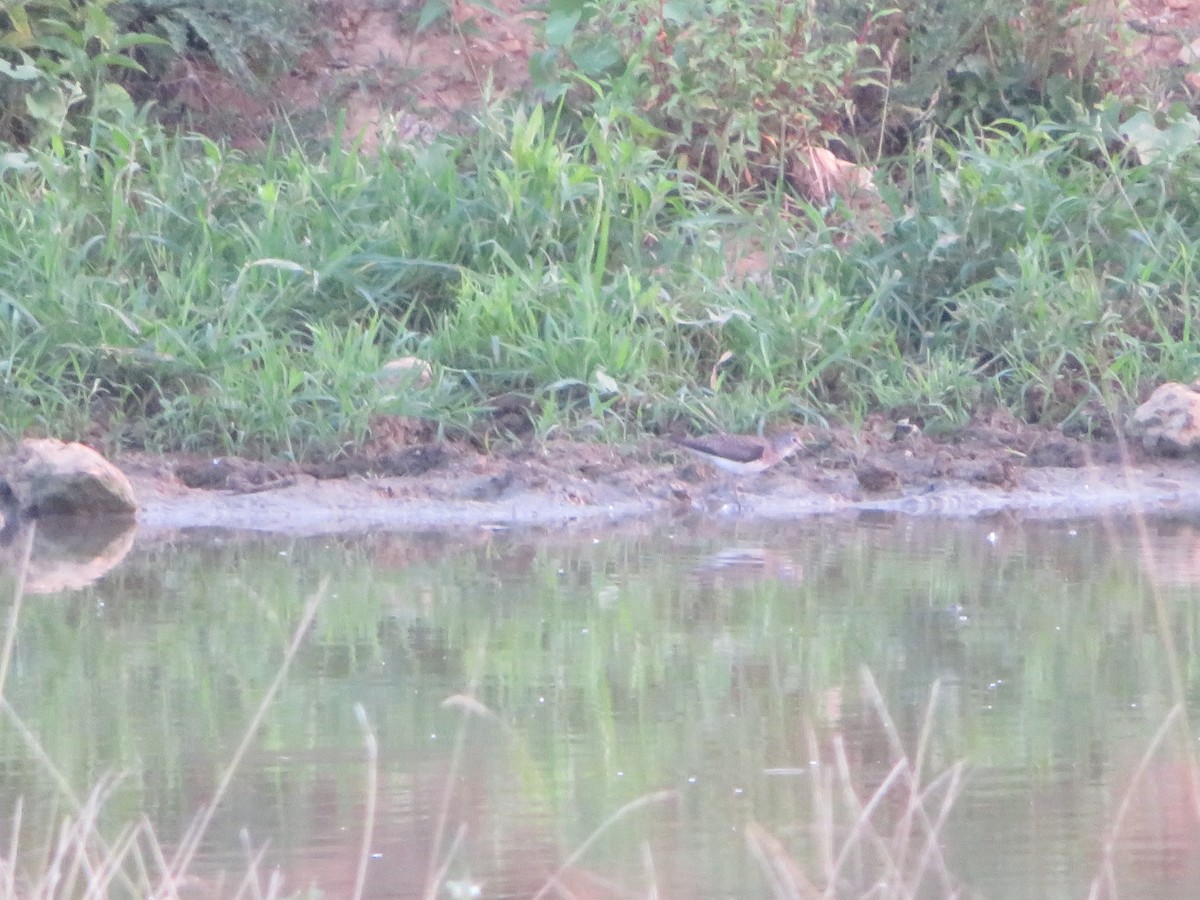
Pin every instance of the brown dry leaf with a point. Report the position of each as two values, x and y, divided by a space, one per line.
713 378
819 175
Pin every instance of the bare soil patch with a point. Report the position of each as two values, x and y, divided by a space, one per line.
390 80
1166 37
993 466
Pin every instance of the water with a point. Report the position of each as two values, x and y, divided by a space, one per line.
522 690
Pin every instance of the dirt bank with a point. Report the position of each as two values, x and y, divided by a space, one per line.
988 468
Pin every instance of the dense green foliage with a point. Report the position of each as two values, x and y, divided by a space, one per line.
164 291
738 86
67 67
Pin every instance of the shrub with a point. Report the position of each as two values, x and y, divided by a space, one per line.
56 59
64 63
740 89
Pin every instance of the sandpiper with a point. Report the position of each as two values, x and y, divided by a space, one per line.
742 454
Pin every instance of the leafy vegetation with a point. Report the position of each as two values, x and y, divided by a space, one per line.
244 39
740 87
67 67
659 239
650 240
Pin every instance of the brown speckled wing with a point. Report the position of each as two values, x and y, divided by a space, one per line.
729 446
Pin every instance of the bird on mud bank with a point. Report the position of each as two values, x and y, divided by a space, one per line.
740 454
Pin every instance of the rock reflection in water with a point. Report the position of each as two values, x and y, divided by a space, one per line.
68 553
1172 553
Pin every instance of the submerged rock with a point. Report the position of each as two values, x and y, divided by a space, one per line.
1169 422
48 477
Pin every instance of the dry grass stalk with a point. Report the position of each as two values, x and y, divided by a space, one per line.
870 857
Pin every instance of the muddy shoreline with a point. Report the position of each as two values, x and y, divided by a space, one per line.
566 484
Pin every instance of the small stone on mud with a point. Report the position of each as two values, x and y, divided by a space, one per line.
1064 454
876 477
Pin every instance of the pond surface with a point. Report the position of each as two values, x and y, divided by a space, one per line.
687 710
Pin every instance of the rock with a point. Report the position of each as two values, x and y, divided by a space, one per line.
1065 453
877 477
1169 422
407 372
49 477
997 472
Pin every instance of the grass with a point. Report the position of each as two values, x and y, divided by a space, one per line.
883 845
178 295
637 251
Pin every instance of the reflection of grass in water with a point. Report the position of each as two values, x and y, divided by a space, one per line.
885 846
83 859
884 833
1140 792
79 860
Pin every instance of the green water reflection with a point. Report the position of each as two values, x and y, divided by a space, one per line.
723 666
